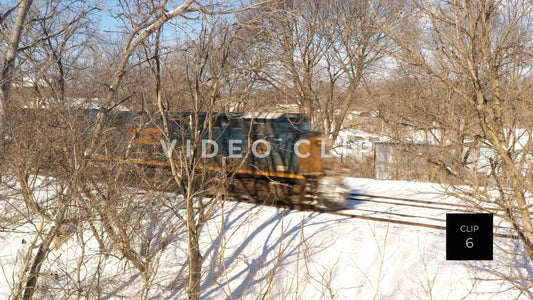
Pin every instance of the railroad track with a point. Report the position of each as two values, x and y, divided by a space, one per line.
407 202
396 208
380 216
440 207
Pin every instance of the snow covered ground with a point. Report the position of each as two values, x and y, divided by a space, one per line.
254 251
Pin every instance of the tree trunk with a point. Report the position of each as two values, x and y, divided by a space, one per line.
31 284
195 259
9 60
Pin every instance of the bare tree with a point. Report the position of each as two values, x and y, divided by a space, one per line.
316 54
294 46
32 143
356 48
207 72
12 39
209 69
61 138
8 65
477 53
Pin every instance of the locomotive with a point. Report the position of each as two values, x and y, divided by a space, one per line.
270 155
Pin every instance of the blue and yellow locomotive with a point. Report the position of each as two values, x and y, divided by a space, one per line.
269 155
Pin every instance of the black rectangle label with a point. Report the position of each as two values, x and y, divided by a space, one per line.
469 236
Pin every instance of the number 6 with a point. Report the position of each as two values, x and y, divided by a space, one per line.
469 243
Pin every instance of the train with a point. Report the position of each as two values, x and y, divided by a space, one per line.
269 155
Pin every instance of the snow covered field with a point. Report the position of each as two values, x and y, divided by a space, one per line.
254 252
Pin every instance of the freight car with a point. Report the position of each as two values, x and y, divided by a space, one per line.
269 155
